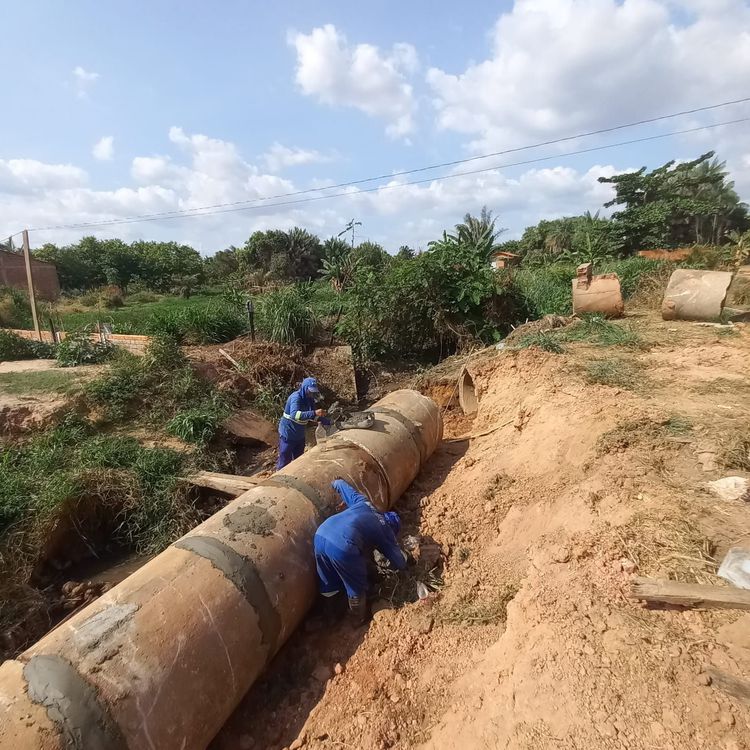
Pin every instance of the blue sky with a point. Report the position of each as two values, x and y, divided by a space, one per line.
192 105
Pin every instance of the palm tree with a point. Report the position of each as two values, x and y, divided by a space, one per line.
478 232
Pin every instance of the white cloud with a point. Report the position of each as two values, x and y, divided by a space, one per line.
28 175
562 66
279 157
104 148
83 80
359 76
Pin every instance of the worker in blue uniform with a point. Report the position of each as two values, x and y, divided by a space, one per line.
301 409
344 544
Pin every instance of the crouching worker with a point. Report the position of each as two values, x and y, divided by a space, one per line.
344 544
301 409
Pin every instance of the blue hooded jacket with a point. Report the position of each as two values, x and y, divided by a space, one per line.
299 410
356 531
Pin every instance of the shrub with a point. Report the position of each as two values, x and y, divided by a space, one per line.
15 311
13 347
286 315
77 348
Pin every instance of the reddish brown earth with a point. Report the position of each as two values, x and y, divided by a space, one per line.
532 641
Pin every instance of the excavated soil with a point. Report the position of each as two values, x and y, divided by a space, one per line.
567 490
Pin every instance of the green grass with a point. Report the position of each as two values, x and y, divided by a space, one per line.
592 329
134 316
617 373
71 470
46 381
596 329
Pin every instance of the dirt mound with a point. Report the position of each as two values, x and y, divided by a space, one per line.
531 641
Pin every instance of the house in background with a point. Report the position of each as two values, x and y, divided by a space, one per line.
502 259
13 274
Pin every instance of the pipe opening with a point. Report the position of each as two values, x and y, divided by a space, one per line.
467 395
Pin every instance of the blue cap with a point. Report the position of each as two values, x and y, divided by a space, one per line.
393 520
310 385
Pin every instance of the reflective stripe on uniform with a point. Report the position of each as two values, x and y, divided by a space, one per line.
296 420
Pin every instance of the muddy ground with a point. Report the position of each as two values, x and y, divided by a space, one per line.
531 641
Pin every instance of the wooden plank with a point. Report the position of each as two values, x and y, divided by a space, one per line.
30 281
229 483
734 686
689 594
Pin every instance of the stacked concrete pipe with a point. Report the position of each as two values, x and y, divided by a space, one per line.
161 660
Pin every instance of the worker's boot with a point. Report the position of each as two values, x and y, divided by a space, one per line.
359 612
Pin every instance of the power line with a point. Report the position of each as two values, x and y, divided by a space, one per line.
234 207
351 183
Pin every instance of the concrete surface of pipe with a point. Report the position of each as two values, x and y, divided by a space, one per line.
161 660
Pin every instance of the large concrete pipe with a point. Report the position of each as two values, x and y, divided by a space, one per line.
161 660
695 295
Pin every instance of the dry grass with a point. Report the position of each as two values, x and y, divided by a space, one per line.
735 386
735 451
468 611
669 547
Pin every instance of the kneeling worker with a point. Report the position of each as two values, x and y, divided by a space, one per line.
300 410
344 544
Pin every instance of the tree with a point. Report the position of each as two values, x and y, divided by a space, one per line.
676 204
222 265
371 255
292 255
406 253
479 232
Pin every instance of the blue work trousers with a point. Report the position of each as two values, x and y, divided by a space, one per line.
340 569
288 451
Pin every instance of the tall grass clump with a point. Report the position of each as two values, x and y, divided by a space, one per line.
545 290
212 324
286 315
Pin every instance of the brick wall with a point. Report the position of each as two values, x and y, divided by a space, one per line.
13 273
132 342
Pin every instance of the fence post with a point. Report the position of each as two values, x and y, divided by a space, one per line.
30 280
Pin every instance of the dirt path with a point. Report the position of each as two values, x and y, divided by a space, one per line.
532 641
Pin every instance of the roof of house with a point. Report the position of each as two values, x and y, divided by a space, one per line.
504 254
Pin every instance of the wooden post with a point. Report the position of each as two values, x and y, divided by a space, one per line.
30 280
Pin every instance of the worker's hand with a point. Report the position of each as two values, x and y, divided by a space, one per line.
320 412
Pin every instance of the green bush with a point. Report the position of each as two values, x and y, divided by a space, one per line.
286 315
13 347
213 324
199 424
15 310
77 348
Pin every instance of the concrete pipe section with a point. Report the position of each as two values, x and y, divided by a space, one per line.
161 660
467 395
597 294
695 295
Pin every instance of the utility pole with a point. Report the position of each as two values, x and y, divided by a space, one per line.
350 228
30 280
